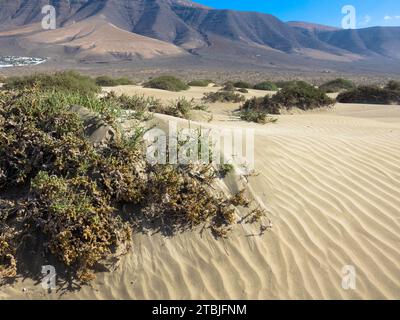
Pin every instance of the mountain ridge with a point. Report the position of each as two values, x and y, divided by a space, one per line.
191 29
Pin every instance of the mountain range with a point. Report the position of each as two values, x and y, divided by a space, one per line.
136 30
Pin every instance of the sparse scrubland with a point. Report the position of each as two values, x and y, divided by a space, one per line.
66 81
372 94
169 83
337 85
64 197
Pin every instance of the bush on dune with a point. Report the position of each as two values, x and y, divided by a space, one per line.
303 96
72 191
266 85
168 83
298 95
261 104
370 94
223 96
337 85
242 85
66 81
106 81
200 83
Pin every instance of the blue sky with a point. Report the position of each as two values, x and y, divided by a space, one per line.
368 12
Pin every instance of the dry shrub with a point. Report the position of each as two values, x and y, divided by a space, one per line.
223 96
77 188
77 220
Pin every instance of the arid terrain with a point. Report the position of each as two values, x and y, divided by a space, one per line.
329 181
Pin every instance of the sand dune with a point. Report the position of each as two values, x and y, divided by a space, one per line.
330 181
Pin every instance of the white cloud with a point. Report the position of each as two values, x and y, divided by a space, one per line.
387 18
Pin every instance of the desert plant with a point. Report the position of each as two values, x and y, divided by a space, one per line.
254 116
106 81
242 85
225 169
66 81
223 96
74 190
266 85
168 83
301 95
262 105
200 83
370 94
289 83
393 85
337 85
228 86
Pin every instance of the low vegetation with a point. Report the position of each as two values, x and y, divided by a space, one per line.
393 85
106 81
223 96
168 83
371 94
179 108
301 95
242 85
79 202
298 95
255 116
337 85
66 81
266 85
200 83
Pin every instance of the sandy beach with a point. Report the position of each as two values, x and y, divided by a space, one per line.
330 182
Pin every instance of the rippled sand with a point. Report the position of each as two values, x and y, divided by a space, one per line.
330 181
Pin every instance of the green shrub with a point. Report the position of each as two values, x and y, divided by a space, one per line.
106 81
228 86
393 85
290 83
337 85
370 94
2 79
223 96
301 95
140 105
66 81
298 95
254 116
262 105
200 83
168 83
242 85
77 221
266 85
225 169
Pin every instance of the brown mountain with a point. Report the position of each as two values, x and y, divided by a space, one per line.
92 30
